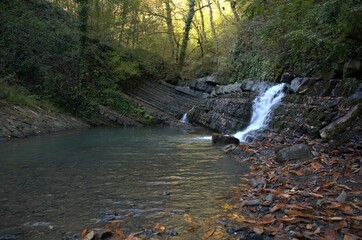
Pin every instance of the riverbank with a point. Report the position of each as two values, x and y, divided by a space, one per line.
20 121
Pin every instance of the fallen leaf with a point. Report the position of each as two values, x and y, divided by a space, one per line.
330 234
267 219
277 207
88 236
309 226
299 173
357 218
190 219
119 232
208 234
226 206
158 227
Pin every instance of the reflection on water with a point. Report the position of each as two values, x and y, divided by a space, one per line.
53 186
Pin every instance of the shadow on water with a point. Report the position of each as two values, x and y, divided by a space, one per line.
53 186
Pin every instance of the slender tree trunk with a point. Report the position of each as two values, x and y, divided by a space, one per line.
170 28
83 13
233 8
203 31
200 40
185 39
123 20
213 31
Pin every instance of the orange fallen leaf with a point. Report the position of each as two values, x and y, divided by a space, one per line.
119 232
330 234
267 219
158 227
226 206
277 207
299 173
208 234
190 219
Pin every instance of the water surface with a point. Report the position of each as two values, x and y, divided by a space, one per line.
53 186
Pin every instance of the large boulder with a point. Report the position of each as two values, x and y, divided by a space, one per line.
203 85
297 83
224 139
255 86
226 89
225 115
342 124
295 152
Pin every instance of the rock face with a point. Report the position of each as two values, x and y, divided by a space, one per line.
224 139
225 115
17 121
295 152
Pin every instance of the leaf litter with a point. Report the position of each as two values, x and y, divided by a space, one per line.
317 198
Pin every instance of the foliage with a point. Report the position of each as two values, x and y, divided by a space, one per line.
298 36
21 96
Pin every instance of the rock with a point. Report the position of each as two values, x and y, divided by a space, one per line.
117 117
297 83
226 89
287 78
342 197
255 86
342 124
295 152
191 92
253 202
224 115
357 94
352 69
220 78
270 197
224 139
203 85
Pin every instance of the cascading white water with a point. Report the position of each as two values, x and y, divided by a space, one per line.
184 118
262 108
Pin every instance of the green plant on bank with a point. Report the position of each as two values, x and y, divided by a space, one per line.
298 36
20 96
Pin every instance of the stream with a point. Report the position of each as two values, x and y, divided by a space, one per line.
53 186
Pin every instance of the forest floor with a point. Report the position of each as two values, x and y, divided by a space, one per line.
317 198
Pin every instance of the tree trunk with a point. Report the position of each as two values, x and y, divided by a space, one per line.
203 31
185 39
83 13
213 31
123 20
170 29
233 8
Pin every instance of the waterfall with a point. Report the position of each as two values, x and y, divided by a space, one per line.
184 118
262 108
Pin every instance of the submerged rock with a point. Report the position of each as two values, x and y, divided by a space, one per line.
224 139
295 152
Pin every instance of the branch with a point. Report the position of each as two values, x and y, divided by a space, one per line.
207 5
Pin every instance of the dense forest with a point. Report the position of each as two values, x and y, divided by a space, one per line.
72 55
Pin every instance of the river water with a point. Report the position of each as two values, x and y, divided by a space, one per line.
53 186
